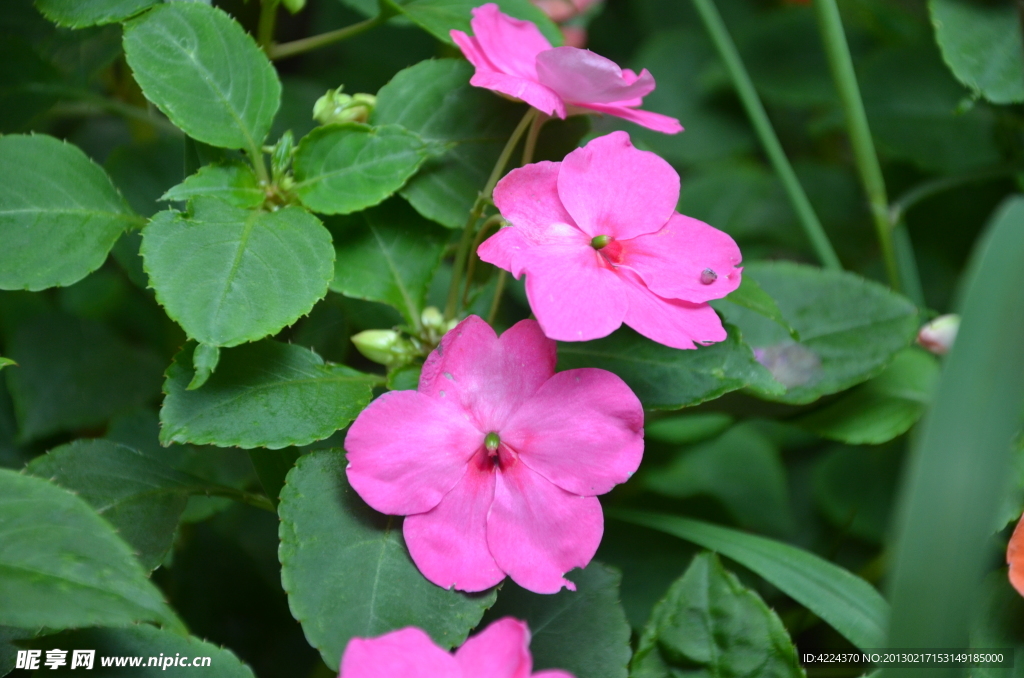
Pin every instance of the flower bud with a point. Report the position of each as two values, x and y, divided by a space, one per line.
385 347
938 335
335 106
433 320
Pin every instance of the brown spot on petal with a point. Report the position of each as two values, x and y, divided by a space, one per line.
707 276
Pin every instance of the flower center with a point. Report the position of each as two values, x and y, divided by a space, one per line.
707 276
491 442
600 242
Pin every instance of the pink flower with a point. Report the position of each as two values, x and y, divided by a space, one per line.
499 651
513 58
496 460
601 243
563 10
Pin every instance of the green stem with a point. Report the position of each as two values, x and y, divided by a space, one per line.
910 278
459 265
471 266
763 126
268 20
865 157
290 49
499 287
923 191
257 500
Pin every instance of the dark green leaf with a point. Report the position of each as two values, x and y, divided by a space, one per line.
981 43
686 429
389 254
709 624
143 171
998 618
441 16
63 566
74 373
584 632
266 394
28 85
405 378
749 295
435 100
59 213
229 275
205 73
234 183
346 569
855 488
81 13
666 378
341 169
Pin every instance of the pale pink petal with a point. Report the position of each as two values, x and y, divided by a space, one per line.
499 651
406 451
487 376
524 89
406 653
503 249
599 446
581 77
449 542
527 198
512 45
611 188
573 293
537 531
553 673
679 324
685 260
628 111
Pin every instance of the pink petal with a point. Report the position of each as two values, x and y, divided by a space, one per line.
524 89
487 376
553 673
579 76
528 199
611 188
406 653
406 451
512 45
503 249
499 651
648 119
473 52
583 430
537 531
449 542
679 324
672 261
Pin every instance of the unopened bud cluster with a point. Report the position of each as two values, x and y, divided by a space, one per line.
336 107
393 349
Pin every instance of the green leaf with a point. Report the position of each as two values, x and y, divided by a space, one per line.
998 618
146 642
63 566
884 407
666 378
435 100
204 360
139 495
234 183
855 487
229 275
849 328
710 624
749 295
205 73
81 13
59 213
5 362
389 254
347 571
742 469
438 17
266 394
981 43
74 373
28 84
583 632
686 429
341 169
845 601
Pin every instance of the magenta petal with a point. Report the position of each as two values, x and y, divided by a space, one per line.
583 430
611 188
527 198
487 376
648 119
553 673
406 653
524 89
406 451
672 261
679 324
537 531
449 542
473 52
503 249
512 45
581 77
499 651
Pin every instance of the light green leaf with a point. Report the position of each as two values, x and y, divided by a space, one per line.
74 373
229 275
981 43
849 328
81 13
6 362
266 394
234 183
435 100
59 213
204 360
583 632
341 169
749 295
389 254
347 571
710 624
882 408
63 566
205 73
666 378
845 601
438 17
